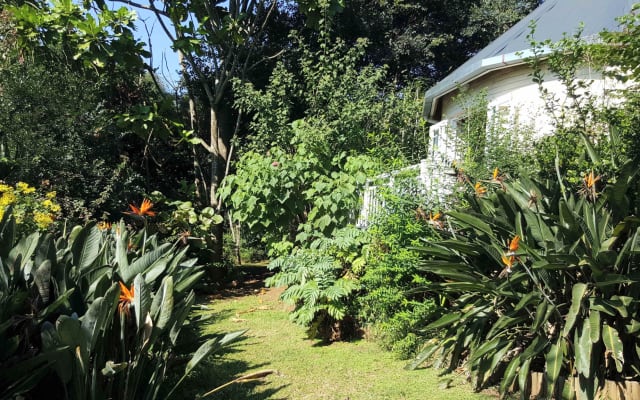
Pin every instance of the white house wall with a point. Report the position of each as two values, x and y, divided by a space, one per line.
512 90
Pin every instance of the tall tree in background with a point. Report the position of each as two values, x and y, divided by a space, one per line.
427 39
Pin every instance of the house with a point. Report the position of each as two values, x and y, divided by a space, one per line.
501 73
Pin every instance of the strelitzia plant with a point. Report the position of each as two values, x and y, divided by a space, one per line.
109 317
539 279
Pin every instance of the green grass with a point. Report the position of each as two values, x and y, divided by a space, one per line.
307 369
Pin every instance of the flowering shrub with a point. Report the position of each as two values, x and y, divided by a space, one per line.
32 209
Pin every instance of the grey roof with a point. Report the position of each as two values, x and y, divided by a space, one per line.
554 19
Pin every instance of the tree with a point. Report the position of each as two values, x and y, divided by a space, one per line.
427 40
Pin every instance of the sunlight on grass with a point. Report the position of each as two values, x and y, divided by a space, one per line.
307 369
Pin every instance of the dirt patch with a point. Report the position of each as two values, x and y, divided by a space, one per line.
250 281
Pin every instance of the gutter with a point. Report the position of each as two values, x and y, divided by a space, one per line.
486 65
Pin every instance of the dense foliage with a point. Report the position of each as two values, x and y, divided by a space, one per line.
95 313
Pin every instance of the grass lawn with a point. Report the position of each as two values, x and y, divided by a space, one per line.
306 369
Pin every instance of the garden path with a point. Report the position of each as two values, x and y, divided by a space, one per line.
305 369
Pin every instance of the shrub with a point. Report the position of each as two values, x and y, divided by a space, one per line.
320 283
536 278
95 313
387 302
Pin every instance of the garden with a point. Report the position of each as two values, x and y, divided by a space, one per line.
204 238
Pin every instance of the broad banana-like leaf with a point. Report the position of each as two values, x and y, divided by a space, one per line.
527 299
99 286
554 360
7 233
524 380
472 222
538 229
577 293
633 327
430 347
166 303
501 350
487 347
176 260
583 348
99 315
62 299
42 278
63 360
141 301
510 374
122 244
594 326
180 316
20 255
86 247
140 265
186 284
542 314
613 344
443 321
156 269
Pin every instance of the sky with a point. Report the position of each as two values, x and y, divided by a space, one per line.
164 60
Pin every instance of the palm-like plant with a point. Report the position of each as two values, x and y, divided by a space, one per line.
97 317
540 280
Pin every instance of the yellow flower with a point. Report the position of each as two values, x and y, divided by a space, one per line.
5 188
42 220
51 205
25 188
7 199
50 195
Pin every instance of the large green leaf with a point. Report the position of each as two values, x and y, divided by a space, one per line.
140 265
42 278
429 349
99 316
445 320
524 378
86 246
577 293
472 221
141 301
554 360
510 374
594 326
180 315
613 344
583 348
166 303
20 255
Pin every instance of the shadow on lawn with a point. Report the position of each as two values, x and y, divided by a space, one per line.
216 371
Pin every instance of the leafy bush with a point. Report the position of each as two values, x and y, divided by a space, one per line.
387 303
95 313
538 279
320 283
293 199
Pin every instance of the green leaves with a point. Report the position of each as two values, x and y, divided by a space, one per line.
567 304
106 334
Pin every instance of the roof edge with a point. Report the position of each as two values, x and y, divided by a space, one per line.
486 65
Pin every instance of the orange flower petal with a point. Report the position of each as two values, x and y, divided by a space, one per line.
513 245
